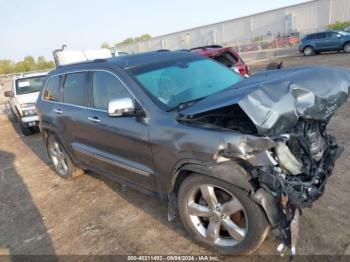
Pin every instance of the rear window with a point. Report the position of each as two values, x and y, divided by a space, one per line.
226 59
29 85
75 89
52 90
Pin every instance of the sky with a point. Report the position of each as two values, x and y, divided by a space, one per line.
36 27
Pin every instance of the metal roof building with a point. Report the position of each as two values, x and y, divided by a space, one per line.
300 19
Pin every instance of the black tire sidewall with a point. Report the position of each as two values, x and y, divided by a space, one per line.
257 223
26 131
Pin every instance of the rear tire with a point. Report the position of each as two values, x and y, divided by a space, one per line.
61 161
309 51
347 48
231 236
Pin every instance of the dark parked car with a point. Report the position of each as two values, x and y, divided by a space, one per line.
234 156
226 56
325 41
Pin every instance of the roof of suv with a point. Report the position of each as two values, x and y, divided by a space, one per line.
132 61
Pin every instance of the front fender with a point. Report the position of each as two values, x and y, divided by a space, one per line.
229 171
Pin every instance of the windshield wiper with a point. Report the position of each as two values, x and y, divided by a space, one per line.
184 105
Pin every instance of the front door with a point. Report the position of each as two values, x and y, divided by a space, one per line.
120 145
334 40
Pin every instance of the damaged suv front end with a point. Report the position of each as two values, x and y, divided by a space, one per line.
282 117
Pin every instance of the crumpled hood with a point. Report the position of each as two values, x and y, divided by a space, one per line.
29 98
275 100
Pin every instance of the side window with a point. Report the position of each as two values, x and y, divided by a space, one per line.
106 87
52 91
332 35
75 89
312 37
321 36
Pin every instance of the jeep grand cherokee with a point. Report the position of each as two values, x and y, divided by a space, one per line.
232 156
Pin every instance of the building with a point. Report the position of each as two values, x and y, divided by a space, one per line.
297 19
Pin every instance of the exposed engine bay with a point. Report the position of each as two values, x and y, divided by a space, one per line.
285 146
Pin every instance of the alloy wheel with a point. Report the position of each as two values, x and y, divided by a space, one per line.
58 158
217 215
308 51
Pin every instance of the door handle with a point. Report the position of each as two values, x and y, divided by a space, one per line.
94 119
58 111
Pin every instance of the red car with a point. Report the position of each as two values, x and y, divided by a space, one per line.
285 41
225 55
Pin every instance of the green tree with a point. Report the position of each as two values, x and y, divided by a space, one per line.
42 64
6 66
27 64
132 40
105 45
339 25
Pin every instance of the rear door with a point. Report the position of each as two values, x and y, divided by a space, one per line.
72 113
120 145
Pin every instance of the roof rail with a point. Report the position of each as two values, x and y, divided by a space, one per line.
207 46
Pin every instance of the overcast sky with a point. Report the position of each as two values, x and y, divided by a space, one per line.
36 27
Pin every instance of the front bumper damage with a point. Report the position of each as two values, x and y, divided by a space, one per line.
282 117
287 173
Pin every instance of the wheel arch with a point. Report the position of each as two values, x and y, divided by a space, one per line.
309 46
230 172
346 43
46 131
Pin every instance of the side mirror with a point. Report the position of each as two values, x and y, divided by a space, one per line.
121 107
8 94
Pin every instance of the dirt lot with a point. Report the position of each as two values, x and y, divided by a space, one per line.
42 214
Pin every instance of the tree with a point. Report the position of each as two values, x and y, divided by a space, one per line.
339 25
6 66
43 64
27 64
133 40
105 45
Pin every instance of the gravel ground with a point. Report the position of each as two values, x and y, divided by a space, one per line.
41 213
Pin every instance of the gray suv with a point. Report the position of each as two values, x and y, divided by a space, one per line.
233 157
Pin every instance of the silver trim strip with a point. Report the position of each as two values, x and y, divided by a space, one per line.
115 163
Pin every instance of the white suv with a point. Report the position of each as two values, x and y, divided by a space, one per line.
23 95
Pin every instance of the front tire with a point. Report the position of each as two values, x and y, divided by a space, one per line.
309 51
26 131
221 216
61 161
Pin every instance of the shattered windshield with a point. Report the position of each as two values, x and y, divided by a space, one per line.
29 85
181 81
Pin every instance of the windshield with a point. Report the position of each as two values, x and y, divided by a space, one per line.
29 84
344 32
184 80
